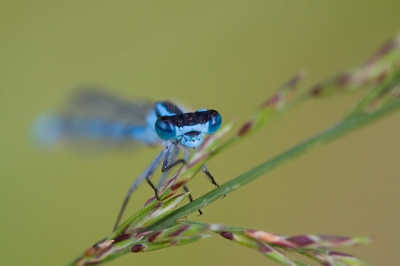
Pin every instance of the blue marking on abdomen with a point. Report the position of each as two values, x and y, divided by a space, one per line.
48 130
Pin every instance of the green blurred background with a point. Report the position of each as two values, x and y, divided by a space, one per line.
226 55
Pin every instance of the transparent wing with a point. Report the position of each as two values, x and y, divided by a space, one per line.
96 103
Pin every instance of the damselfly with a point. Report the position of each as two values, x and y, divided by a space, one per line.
94 115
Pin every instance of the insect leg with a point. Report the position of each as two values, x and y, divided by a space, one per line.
191 198
205 170
168 164
147 174
172 153
170 157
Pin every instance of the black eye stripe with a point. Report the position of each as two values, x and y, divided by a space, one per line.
190 119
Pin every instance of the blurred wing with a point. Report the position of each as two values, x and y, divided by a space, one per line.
94 119
99 104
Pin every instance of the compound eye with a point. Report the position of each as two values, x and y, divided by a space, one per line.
165 128
214 121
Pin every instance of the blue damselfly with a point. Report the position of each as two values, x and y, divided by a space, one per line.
95 116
